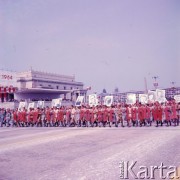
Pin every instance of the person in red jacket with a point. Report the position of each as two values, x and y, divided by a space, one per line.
141 115
24 117
167 112
99 116
155 113
18 118
39 122
134 115
35 117
148 115
160 114
60 117
174 117
30 117
48 116
111 116
104 116
15 117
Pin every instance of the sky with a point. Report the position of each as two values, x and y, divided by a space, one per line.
104 43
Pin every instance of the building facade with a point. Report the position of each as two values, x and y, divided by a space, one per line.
36 85
41 85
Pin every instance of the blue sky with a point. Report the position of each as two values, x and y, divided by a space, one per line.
105 43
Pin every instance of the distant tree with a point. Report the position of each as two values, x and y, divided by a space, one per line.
104 91
116 90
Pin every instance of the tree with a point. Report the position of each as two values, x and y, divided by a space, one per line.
116 90
104 91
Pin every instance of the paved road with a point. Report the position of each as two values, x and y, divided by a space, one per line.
84 153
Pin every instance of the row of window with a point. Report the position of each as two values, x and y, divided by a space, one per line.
57 87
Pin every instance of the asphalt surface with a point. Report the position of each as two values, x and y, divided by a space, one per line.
84 153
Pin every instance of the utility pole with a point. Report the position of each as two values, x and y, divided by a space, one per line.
145 83
173 83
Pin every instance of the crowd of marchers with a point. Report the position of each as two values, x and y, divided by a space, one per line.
157 114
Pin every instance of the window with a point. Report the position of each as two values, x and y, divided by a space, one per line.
64 87
57 87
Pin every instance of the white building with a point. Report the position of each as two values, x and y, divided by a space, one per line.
36 85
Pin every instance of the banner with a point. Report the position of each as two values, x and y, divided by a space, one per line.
21 106
143 98
177 98
40 104
93 100
31 105
108 100
151 96
56 102
160 95
131 98
79 101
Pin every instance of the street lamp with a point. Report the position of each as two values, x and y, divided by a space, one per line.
173 87
155 82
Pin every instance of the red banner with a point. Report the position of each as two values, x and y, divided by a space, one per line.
9 89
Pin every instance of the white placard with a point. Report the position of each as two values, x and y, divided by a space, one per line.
93 100
131 98
143 98
177 98
31 105
56 102
108 100
151 96
21 106
160 95
79 101
40 104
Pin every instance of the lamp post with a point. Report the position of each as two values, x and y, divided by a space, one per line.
173 88
155 81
